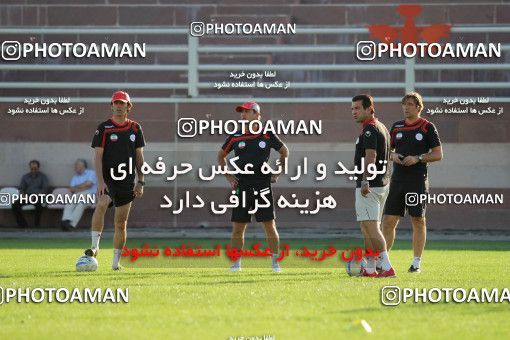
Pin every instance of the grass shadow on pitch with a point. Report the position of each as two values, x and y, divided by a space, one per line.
255 279
352 312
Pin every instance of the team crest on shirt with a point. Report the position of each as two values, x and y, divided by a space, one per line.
97 132
262 144
399 135
132 137
419 136
114 137
241 145
368 133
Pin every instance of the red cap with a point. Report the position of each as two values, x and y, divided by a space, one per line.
122 96
249 106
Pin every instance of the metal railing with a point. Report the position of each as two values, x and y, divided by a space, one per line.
193 68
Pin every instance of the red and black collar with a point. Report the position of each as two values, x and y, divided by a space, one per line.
128 121
371 121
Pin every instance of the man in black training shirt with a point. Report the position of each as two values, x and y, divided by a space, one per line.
253 149
117 141
415 142
372 148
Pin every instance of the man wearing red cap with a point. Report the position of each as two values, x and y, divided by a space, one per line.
253 149
117 141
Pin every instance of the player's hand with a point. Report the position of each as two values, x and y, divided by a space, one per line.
233 181
365 190
138 190
397 158
101 189
274 178
410 160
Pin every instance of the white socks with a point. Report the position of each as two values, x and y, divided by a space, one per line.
237 263
96 236
117 253
416 262
116 258
378 263
385 261
370 264
274 259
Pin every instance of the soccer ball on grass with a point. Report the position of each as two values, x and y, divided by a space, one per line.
86 264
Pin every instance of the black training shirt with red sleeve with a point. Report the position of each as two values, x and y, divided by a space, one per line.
413 140
374 136
254 149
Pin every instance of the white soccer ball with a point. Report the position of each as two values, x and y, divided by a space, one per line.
355 268
86 264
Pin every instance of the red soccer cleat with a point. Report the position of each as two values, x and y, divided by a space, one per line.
387 273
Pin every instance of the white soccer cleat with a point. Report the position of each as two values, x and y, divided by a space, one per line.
235 268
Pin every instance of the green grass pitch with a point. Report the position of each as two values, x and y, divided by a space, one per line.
199 299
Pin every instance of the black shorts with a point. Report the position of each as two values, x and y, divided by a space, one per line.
120 194
404 196
253 191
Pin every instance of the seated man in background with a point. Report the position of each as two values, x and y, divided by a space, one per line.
34 182
83 182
